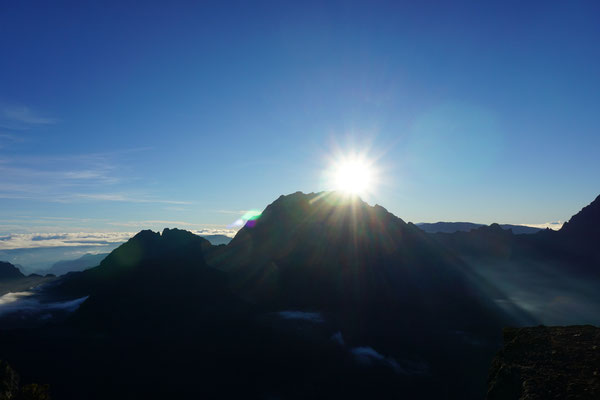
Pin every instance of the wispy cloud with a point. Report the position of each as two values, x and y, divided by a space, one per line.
17 117
124 197
30 305
235 212
74 178
8 138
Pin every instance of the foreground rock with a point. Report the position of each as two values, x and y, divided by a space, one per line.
547 363
10 388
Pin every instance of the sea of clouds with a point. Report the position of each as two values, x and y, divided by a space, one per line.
73 239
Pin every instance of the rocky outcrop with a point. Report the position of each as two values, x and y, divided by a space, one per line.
11 390
547 363
9 271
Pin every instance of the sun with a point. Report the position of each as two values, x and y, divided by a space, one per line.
352 174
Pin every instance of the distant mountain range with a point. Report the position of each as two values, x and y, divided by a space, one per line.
451 227
79 264
323 296
554 273
217 239
13 280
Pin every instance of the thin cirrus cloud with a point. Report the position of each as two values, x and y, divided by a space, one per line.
21 117
101 176
72 178
8 138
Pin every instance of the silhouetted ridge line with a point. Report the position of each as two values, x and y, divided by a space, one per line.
9 271
585 222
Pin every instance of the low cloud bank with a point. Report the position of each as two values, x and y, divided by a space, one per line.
33 240
30 304
74 239
556 225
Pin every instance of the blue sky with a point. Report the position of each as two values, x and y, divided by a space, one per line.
121 116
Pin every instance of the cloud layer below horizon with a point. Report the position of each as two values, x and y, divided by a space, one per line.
75 239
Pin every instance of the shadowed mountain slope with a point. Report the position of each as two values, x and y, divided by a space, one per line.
579 237
574 245
385 283
151 277
553 274
323 296
328 251
13 280
585 223
79 264
9 271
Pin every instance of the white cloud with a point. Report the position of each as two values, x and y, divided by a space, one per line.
74 178
71 239
75 239
552 225
215 231
28 303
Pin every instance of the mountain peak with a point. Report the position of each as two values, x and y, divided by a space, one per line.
586 222
327 208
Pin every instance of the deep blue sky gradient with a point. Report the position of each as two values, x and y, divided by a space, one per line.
128 115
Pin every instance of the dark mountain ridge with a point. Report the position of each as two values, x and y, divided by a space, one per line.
13 280
324 250
554 273
322 296
584 224
573 245
151 277
9 271
371 273
452 227
79 264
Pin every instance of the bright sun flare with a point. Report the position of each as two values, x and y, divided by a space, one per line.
352 175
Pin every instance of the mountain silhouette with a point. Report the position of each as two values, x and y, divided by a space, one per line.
586 223
451 227
554 273
79 264
578 239
152 277
330 252
217 239
573 246
371 272
9 271
321 296
13 280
